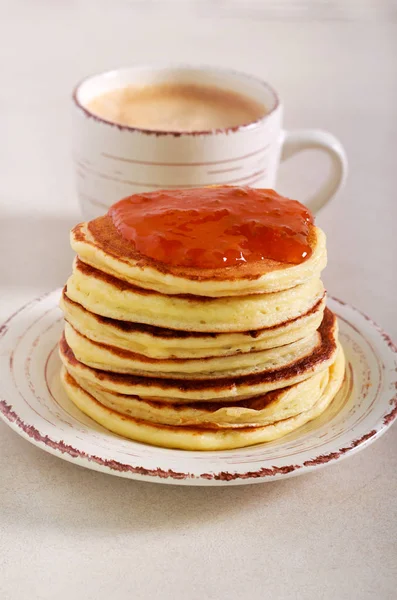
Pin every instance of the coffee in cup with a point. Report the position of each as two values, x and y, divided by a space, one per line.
148 128
176 107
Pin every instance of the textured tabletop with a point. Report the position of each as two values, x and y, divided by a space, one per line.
69 533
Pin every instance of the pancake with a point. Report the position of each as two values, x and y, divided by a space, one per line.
110 297
99 244
111 358
199 438
237 350
185 390
253 412
160 343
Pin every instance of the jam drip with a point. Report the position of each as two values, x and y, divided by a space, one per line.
214 227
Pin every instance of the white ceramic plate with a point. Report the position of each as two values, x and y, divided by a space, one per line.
33 403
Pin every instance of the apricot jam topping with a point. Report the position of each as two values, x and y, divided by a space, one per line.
213 227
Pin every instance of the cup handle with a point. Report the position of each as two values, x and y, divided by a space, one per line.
312 139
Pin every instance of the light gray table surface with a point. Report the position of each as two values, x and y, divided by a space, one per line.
69 533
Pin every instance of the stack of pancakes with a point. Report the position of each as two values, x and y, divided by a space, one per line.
196 359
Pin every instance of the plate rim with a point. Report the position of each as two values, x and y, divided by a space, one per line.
160 475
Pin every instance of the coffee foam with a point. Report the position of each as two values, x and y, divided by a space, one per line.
176 107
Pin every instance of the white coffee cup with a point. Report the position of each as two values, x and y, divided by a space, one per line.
113 161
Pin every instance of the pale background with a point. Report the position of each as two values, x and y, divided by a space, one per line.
68 533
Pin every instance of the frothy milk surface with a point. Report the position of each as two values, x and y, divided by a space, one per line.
176 107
